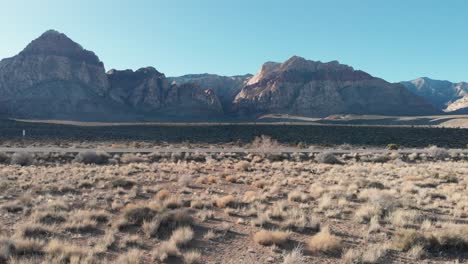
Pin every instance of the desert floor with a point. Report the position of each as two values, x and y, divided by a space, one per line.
231 209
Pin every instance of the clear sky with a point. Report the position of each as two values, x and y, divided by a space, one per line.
393 39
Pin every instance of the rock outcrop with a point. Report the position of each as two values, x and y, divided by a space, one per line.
150 93
444 95
225 87
309 88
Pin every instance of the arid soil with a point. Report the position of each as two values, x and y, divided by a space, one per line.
227 209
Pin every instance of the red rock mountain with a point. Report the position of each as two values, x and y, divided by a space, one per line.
309 88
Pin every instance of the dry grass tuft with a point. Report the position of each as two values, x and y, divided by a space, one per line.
162 195
165 250
192 257
296 256
137 214
225 201
324 242
266 238
182 236
163 224
133 256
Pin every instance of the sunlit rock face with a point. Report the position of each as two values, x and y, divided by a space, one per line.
310 88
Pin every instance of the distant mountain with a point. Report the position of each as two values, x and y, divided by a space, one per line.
55 78
225 87
308 88
444 95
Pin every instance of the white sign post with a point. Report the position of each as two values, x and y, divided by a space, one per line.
24 133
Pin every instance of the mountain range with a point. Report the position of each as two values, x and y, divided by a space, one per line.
56 78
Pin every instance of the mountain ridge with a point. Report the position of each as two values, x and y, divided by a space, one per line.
53 76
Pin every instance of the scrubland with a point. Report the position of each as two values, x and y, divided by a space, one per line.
231 208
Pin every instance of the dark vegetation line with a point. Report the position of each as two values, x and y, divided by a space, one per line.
290 134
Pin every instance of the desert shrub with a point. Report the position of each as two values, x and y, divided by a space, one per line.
327 158
22 159
35 231
405 239
163 224
372 254
137 214
393 146
438 153
192 257
60 252
242 166
294 257
162 195
182 236
4 158
266 238
133 256
6 249
131 158
91 157
225 201
165 250
122 183
324 242
264 142
28 247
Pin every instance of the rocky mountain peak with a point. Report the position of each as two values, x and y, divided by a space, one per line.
54 43
298 69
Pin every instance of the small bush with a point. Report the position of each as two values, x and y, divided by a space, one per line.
91 157
327 158
22 159
438 153
393 146
4 158
122 183
242 166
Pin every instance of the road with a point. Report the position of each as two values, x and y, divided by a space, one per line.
216 150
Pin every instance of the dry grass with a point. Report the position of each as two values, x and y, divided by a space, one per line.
203 209
324 242
192 257
225 201
294 257
266 238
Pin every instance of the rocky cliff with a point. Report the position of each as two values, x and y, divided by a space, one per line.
309 88
225 87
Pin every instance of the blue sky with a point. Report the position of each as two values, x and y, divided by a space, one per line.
396 40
